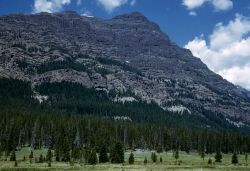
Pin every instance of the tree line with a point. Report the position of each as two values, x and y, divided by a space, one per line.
72 129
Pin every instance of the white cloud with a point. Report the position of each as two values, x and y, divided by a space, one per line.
219 5
192 4
133 2
110 5
79 2
227 51
87 13
222 5
238 75
192 13
49 5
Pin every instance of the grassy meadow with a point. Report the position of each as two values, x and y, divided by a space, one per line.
186 162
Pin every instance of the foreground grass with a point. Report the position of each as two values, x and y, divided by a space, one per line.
186 162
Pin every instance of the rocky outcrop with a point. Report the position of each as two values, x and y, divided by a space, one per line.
127 52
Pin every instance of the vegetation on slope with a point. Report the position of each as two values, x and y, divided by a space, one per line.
76 121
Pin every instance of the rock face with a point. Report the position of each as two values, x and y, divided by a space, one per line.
127 52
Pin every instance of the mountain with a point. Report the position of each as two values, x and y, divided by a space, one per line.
127 56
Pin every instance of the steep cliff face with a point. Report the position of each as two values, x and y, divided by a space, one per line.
127 52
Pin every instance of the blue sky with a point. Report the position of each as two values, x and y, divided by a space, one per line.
217 31
172 16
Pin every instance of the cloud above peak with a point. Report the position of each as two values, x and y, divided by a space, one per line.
110 5
49 5
227 50
222 5
192 4
57 5
219 5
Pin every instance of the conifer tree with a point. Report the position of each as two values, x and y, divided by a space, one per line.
66 150
49 155
103 155
161 159
13 156
131 159
202 153
246 157
235 159
154 157
41 159
176 154
16 164
57 154
86 154
209 161
31 154
218 156
76 153
92 158
159 149
117 153
145 160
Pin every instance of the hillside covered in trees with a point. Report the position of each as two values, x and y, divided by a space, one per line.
75 120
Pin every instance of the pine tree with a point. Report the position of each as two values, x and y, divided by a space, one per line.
159 149
86 154
202 153
209 161
92 158
161 159
246 157
31 155
66 150
117 153
154 157
49 155
103 155
145 160
57 155
131 159
13 156
76 153
235 159
176 154
41 159
218 156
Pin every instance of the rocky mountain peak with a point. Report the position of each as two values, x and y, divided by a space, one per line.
69 14
134 16
125 53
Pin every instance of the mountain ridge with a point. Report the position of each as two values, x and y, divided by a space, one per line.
127 52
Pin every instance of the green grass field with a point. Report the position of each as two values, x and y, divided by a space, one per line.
188 162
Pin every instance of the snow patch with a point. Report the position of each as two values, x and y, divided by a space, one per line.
122 118
179 109
124 99
237 124
41 98
167 80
